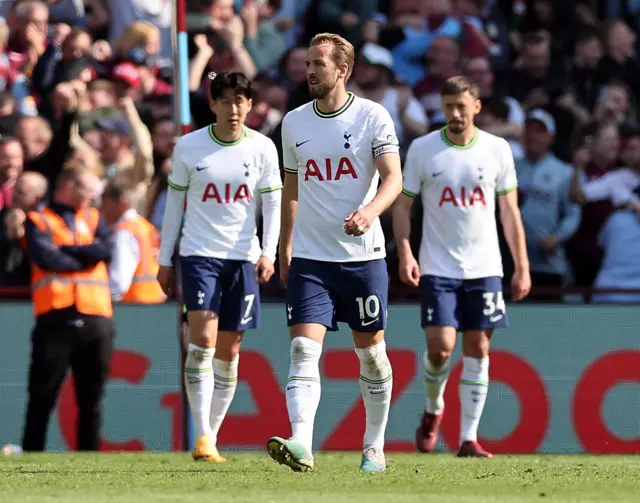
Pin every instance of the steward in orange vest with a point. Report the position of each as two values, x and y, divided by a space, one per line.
69 246
134 266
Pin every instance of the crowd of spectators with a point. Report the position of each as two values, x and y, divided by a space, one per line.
88 84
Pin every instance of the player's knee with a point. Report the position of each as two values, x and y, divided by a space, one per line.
199 357
228 354
374 360
476 345
305 350
203 328
228 345
438 357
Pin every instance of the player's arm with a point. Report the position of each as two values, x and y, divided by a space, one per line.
512 224
289 203
572 213
386 155
401 212
271 193
123 265
178 183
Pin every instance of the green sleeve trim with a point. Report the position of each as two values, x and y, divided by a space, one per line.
292 171
407 193
270 189
506 191
176 187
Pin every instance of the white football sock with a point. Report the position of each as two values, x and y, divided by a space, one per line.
435 382
376 383
198 378
225 378
303 388
474 384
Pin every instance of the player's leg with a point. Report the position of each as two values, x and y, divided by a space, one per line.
310 312
439 317
483 311
364 306
202 295
225 377
239 311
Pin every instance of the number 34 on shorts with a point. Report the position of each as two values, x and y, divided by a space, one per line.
495 307
469 304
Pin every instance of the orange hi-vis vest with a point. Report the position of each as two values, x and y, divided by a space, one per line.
144 288
87 290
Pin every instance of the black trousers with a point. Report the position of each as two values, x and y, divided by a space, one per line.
84 345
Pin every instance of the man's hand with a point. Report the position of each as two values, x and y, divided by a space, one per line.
520 285
549 244
410 271
60 32
166 280
101 50
285 263
14 223
358 222
264 270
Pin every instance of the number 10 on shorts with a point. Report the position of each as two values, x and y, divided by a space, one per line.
368 308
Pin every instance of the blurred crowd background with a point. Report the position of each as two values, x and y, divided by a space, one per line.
88 85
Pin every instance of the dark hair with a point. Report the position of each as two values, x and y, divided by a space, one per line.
7 139
458 85
535 37
586 35
496 107
235 81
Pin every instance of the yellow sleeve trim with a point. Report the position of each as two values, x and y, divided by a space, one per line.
292 171
407 193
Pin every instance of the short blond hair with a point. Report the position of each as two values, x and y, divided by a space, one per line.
343 51
137 34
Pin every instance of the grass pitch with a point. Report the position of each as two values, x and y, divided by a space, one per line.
254 477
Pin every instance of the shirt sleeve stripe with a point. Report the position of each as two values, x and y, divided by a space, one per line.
270 189
176 187
407 193
384 145
506 191
292 171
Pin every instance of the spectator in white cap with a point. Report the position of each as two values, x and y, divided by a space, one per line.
373 76
549 217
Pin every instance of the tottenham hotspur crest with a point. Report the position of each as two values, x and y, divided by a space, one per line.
247 165
346 143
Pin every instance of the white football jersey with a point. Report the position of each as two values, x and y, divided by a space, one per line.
223 181
458 187
334 158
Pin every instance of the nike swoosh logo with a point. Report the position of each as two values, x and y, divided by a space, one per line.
302 143
244 321
438 173
495 318
367 323
200 168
